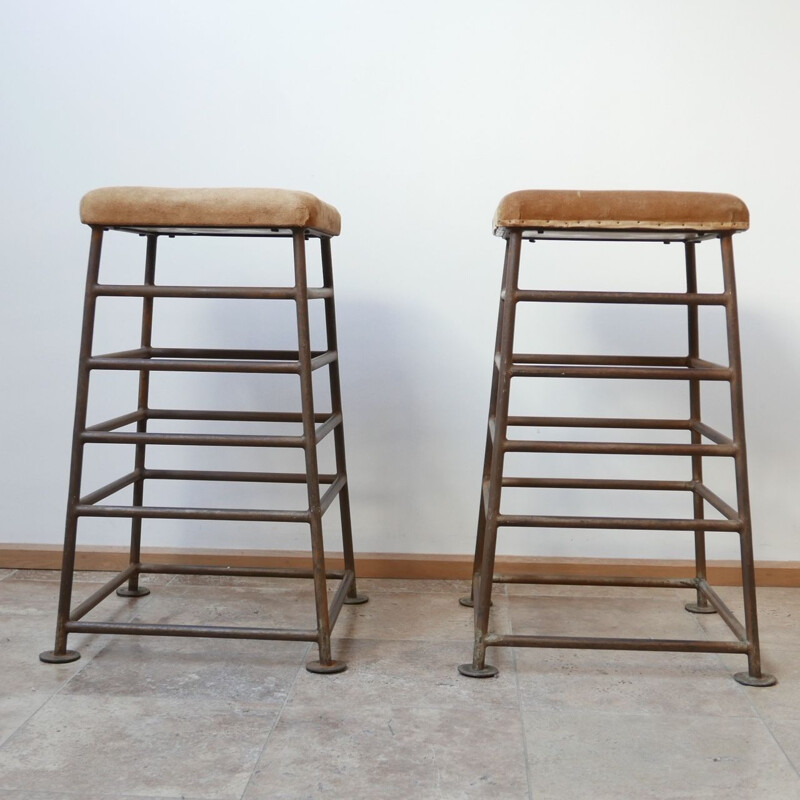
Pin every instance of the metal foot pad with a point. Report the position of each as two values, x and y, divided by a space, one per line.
326 669
472 672
694 608
141 591
469 602
51 657
746 679
357 600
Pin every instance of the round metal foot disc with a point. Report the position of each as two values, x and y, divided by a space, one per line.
469 602
51 657
694 608
140 592
746 679
326 669
357 600
471 672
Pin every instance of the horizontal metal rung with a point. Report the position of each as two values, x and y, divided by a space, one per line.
332 493
599 422
597 580
728 617
597 483
703 362
323 359
628 373
233 477
596 360
339 598
619 448
231 416
193 365
603 643
228 353
716 501
118 422
332 422
200 439
138 352
210 292
617 523
710 433
110 488
104 591
206 631
632 298
244 572
164 512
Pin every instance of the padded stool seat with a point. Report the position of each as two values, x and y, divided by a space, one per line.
148 207
622 211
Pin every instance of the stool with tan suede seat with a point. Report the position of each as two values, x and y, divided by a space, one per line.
261 213
689 218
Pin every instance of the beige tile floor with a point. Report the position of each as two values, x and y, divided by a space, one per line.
208 719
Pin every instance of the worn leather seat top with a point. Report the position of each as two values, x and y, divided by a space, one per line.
622 210
142 206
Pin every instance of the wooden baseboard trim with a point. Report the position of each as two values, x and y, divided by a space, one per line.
401 565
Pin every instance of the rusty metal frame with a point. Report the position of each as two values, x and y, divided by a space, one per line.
315 427
691 368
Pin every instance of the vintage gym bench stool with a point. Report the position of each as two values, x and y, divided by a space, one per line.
153 213
686 217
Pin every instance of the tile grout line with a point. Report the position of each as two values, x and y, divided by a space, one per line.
757 712
275 723
525 751
766 724
58 691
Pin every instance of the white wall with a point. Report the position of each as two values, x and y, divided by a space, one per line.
413 119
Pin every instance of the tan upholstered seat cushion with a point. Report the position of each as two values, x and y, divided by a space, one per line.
621 210
133 206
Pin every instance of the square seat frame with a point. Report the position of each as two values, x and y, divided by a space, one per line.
315 426
705 441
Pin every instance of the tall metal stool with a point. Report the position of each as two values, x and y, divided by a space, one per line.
153 213
687 217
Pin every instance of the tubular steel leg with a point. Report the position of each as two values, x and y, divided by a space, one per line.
59 653
353 597
469 600
754 676
133 589
325 663
701 605
478 668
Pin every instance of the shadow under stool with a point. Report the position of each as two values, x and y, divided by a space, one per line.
688 218
257 213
